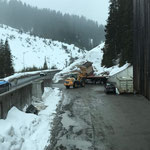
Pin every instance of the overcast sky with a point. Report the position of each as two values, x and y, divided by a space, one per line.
93 9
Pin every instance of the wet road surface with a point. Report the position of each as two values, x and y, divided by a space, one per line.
88 119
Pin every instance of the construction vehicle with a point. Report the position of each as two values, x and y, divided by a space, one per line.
82 76
75 80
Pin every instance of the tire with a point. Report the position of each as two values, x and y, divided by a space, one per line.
107 92
82 84
75 85
67 87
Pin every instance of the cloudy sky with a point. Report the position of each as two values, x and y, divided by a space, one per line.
93 9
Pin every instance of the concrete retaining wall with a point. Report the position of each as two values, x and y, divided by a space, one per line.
19 98
38 89
22 95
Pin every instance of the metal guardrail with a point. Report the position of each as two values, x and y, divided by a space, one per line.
23 81
21 93
29 78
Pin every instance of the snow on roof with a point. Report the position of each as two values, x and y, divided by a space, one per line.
116 69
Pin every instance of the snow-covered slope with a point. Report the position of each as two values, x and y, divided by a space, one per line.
22 131
30 50
95 56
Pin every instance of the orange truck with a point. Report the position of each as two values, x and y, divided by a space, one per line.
75 80
79 78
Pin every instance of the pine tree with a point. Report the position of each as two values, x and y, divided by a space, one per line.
2 56
110 48
126 40
119 42
8 62
45 67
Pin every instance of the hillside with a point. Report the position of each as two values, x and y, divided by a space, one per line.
50 24
29 51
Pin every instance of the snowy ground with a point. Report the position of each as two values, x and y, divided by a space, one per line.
29 51
21 131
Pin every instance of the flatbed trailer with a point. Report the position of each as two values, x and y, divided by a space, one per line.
96 79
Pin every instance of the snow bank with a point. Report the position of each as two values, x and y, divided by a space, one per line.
60 76
115 69
95 56
21 131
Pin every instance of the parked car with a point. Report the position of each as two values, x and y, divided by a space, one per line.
43 74
4 86
110 88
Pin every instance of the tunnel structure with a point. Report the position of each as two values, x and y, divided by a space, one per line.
141 13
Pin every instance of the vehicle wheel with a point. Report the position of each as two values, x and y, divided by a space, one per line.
67 87
114 91
83 84
75 85
106 91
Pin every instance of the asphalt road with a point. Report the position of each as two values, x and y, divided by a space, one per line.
88 119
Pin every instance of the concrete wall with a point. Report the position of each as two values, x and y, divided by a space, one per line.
141 16
22 95
38 89
18 97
